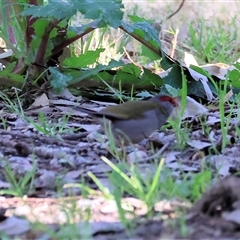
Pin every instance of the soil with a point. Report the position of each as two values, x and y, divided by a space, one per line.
63 160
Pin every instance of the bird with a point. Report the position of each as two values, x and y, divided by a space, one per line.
134 120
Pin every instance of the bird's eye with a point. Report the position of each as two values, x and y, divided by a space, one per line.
173 102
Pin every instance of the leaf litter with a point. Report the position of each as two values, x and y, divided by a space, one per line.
64 160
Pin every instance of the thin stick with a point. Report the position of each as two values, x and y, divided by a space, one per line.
157 154
180 6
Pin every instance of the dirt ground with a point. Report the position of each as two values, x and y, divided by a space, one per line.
61 160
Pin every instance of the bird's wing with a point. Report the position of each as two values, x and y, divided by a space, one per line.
127 110
102 113
113 114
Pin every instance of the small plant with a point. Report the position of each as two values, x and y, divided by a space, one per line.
182 134
11 105
135 185
225 99
151 188
207 41
21 186
50 128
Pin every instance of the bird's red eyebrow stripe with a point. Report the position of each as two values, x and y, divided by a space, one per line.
170 99
166 98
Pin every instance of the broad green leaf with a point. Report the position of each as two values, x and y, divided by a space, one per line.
174 79
135 18
145 31
83 60
130 77
173 91
199 70
141 79
126 79
97 23
149 53
237 65
90 72
40 26
167 62
149 77
104 75
146 80
54 39
234 76
7 73
132 69
55 8
108 11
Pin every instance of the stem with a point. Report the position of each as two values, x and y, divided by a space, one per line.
29 27
39 59
158 51
141 40
58 48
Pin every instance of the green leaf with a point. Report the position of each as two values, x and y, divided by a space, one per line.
199 70
166 61
145 31
90 72
129 76
7 73
149 53
39 29
79 30
83 60
55 8
59 81
237 66
40 26
149 77
173 91
174 79
108 11
132 69
54 38
135 18
141 79
126 79
104 75
234 76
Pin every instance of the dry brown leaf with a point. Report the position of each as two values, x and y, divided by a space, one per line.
193 108
189 60
217 69
198 144
65 94
40 101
